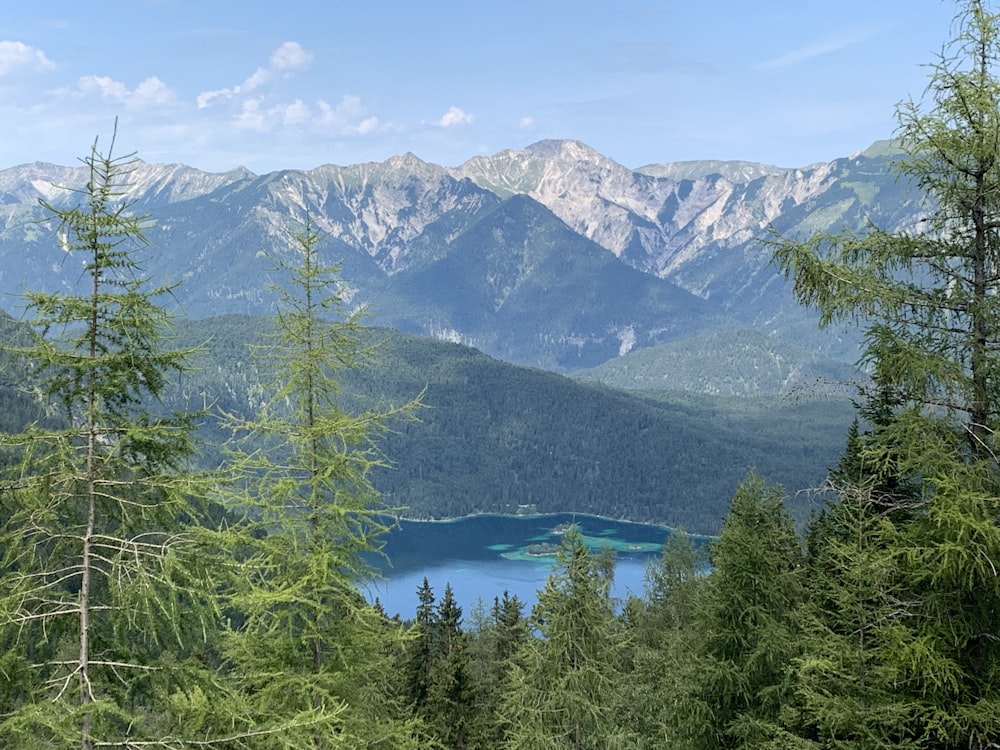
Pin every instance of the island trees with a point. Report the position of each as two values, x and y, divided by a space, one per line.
928 301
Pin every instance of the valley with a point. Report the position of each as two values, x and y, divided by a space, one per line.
587 338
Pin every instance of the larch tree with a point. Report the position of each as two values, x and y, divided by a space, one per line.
104 594
305 643
927 298
928 302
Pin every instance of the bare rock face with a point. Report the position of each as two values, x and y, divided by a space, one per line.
401 226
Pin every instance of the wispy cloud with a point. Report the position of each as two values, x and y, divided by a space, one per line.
287 59
20 56
812 51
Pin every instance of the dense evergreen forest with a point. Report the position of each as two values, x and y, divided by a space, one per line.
492 436
149 602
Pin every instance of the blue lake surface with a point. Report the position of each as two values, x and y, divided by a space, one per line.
482 556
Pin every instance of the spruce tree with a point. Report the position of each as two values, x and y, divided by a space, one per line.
749 621
853 625
657 696
447 706
562 684
495 638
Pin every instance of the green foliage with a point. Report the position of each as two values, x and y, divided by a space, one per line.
847 680
910 590
104 591
656 694
927 297
494 436
749 620
732 362
304 642
561 688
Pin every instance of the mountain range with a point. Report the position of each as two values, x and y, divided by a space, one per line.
553 256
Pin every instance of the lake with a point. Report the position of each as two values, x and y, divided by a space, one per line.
483 555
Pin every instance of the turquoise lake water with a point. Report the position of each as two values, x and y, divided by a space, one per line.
483 555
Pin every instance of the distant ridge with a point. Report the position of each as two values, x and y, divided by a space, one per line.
554 255
736 171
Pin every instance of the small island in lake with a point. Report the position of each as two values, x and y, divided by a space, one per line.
562 528
541 549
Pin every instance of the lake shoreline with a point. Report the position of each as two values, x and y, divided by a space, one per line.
483 555
486 514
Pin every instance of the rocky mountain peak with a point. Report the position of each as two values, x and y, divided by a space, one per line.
694 227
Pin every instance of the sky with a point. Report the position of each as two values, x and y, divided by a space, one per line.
293 85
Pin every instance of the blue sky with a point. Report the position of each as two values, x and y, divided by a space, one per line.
218 84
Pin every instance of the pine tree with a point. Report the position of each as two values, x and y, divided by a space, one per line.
106 598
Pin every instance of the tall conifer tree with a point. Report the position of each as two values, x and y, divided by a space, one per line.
928 300
562 685
306 643
103 590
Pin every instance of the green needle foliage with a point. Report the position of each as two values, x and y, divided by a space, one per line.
927 297
103 591
304 641
562 684
749 620
928 464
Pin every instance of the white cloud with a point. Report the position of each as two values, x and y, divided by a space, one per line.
252 116
205 98
103 86
816 49
255 81
455 117
345 116
291 56
368 125
526 122
150 92
14 55
296 113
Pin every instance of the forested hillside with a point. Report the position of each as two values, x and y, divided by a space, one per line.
146 602
493 437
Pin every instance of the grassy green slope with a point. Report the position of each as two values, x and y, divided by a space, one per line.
729 362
